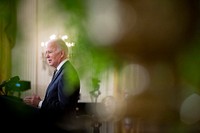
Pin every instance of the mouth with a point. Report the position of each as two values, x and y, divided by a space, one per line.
49 60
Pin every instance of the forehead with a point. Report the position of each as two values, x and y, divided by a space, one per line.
51 45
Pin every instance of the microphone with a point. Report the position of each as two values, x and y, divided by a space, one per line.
11 80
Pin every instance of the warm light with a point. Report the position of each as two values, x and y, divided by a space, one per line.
42 44
64 37
69 44
53 36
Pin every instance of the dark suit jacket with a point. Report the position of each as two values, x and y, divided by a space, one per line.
62 93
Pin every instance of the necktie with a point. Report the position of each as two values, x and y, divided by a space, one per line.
54 73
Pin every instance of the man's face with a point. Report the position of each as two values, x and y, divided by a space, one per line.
53 55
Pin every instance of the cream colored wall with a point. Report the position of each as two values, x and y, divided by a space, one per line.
24 57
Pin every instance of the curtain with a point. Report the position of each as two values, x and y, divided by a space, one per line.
7 36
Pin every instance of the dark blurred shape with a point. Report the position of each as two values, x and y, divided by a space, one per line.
14 113
95 83
87 116
10 81
14 84
20 86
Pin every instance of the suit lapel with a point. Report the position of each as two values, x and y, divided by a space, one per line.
55 77
59 71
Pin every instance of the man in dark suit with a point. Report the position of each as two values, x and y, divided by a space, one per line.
62 93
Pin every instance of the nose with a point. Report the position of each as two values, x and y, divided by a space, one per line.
46 55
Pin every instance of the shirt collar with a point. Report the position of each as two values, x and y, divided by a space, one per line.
60 65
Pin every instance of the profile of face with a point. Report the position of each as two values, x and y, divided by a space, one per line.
53 54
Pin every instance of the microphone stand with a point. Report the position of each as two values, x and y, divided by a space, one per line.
95 93
96 124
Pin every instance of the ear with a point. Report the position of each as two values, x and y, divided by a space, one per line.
62 53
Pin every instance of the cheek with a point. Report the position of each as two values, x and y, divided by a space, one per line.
53 57
56 59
